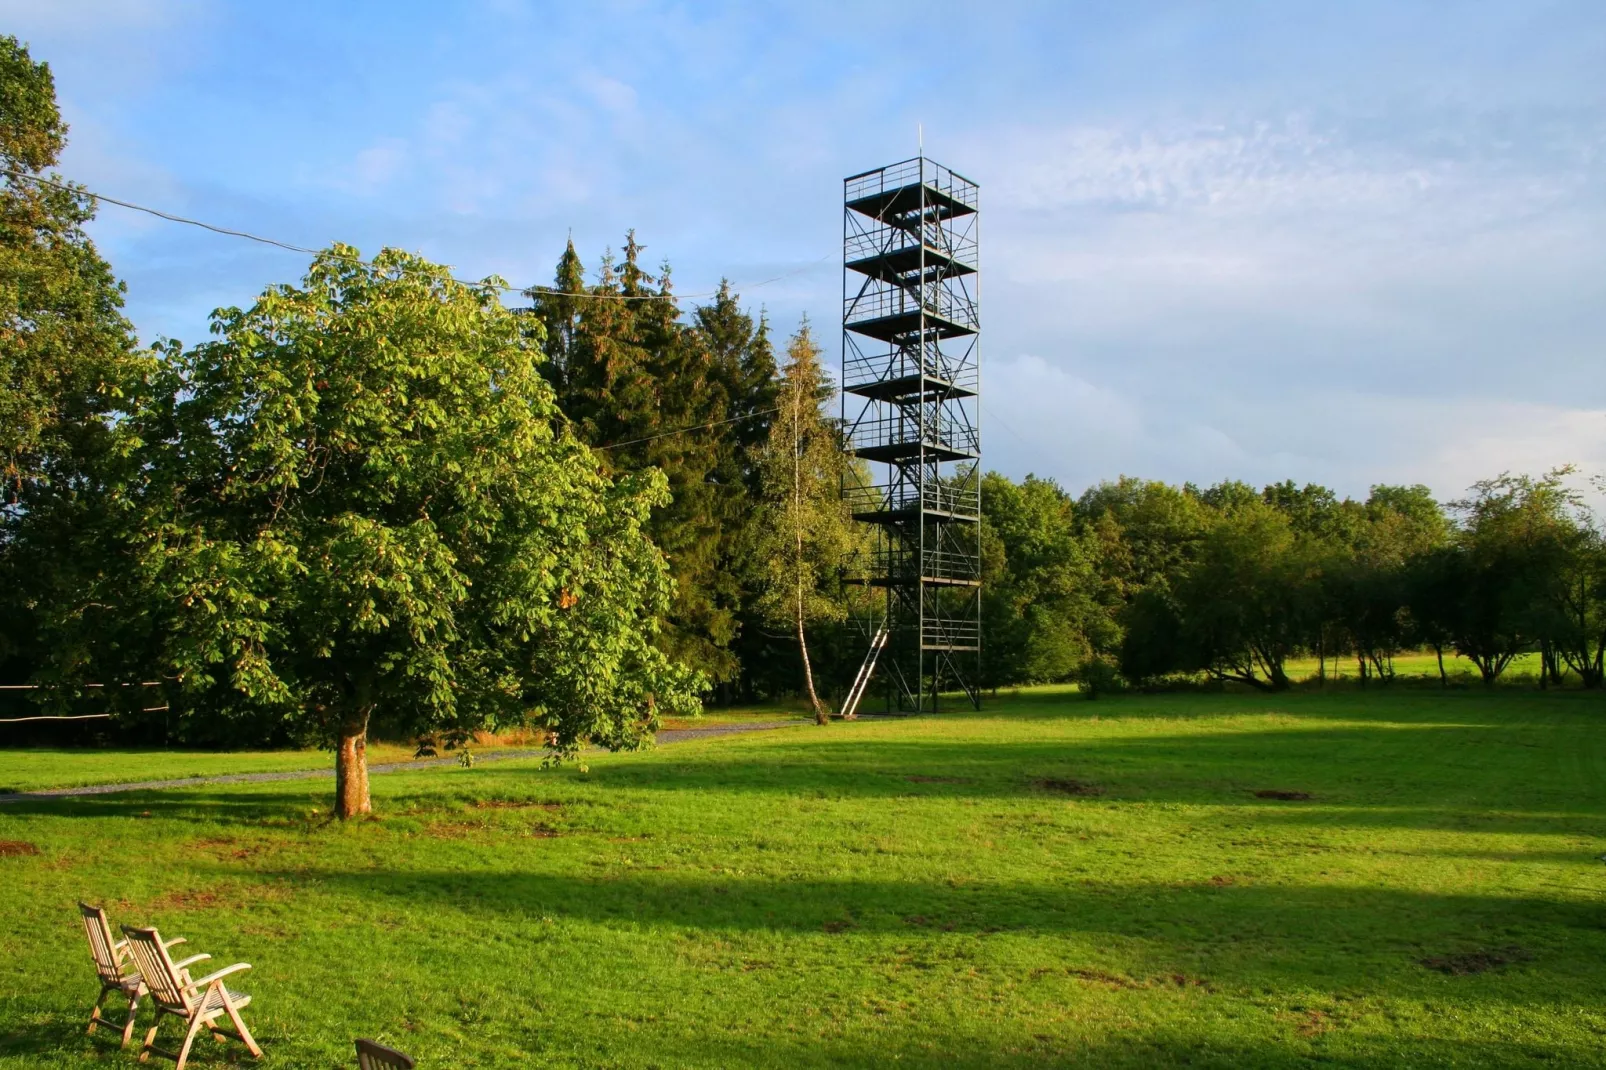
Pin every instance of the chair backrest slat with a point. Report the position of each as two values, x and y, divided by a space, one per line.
156 967
375 1056
101 946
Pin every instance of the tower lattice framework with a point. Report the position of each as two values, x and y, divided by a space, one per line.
910 386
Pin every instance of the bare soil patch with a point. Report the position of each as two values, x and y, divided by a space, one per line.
515 804
1285 796
196 900
1068 787
17 848
1470 962
921 779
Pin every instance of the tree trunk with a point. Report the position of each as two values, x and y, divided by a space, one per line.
821 716
351 769
1444 681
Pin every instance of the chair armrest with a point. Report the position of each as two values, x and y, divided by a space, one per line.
121 945
189 961
201 982
175 940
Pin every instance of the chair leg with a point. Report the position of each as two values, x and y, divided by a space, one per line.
239 1027
94 1013
128 1026
150 1039
189 1040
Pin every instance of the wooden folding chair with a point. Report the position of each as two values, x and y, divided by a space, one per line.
111 963
375 1056
199 1002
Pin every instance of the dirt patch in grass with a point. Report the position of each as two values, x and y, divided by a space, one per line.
188 901
1469 962
1068 787
838 926
17 848
462 830
1222 882
1313 1023
1284 795
230 848
516 804
918 778
1095 976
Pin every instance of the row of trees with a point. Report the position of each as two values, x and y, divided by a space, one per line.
1155 581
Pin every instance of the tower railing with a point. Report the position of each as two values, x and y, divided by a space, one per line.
881 300
955 369
910 495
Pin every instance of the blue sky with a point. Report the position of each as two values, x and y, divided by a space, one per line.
1349 243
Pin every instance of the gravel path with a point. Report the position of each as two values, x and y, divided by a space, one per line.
673 735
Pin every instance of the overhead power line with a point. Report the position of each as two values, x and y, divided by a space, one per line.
276 243
232 233
684 430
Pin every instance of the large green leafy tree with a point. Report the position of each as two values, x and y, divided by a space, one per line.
1141 534
1245 603
1039 612
65 354
353 508
1508 550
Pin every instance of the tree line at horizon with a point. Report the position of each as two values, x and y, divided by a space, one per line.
385 500
1140 582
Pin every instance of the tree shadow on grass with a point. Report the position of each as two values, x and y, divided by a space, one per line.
1355 776
54 1039
217 806
1289 930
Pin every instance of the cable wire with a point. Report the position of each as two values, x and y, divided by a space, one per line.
683 430
530 291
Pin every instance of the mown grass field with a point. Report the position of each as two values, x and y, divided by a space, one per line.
42 768
1050 882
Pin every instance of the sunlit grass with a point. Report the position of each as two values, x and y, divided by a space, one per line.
41 768
1052 881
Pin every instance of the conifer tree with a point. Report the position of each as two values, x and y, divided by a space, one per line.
805 528
654 392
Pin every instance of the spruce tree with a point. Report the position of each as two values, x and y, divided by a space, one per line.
653 392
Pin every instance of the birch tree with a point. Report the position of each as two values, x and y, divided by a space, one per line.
805 528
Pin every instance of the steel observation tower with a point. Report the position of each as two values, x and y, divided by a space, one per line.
910 386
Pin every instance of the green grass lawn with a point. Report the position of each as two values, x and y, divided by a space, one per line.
1050 882
40 768
1417 663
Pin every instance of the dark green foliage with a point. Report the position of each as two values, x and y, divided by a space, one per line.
65 351
1039 613
632 378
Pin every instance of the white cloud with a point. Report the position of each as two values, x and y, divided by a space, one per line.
1037 417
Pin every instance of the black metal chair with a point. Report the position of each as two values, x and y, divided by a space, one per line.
374 1056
